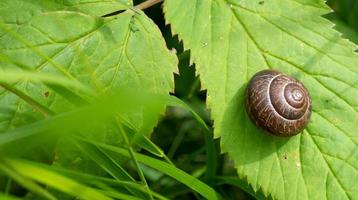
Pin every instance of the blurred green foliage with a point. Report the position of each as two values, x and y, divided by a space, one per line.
345 16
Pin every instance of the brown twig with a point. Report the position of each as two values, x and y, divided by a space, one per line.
140 6
147 4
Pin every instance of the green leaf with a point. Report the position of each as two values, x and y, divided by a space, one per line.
102 53
23 10
229 42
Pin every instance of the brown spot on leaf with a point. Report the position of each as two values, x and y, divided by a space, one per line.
47 93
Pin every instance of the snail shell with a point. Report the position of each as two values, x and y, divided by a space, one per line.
278 103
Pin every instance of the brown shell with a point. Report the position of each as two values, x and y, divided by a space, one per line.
278 103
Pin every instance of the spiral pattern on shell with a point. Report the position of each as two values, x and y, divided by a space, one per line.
278 103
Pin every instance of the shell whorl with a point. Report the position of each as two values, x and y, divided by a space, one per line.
278 103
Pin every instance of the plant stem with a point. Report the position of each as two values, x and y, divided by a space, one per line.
147 4
136 164
193 87
8 186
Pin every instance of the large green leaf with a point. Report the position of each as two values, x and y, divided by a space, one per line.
64 38
230 40
23 10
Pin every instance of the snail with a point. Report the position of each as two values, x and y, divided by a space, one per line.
278 103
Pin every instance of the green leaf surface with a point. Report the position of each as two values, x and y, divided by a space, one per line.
58 38
20 11
232 40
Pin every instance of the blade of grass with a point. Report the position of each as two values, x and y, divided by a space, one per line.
73 90
64 122
13 76
181 176
95 181
8 185
134 159
71 96
25 182
55 180
149 146
111 166
7 197
33 103
117 195
174 101
179 138
152 148
211 155
55 82
142 141
69 122
88 178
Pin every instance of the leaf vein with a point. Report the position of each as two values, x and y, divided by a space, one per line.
329 167
308 73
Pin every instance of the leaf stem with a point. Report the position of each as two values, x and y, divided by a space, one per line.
136 164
